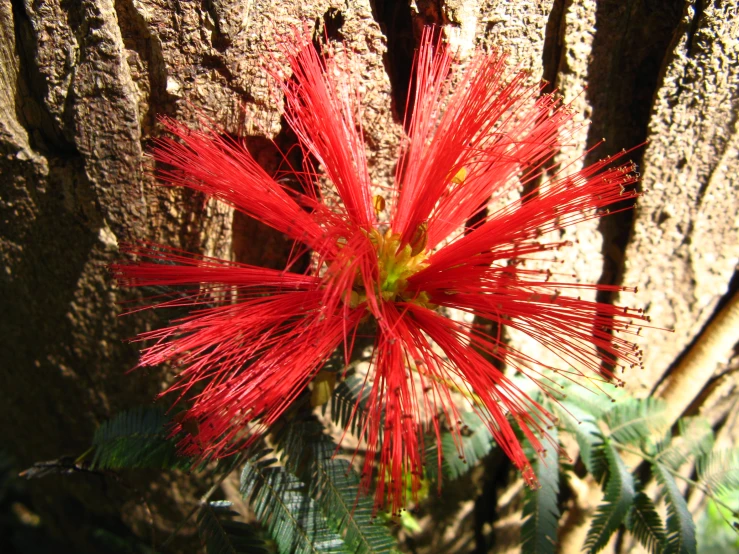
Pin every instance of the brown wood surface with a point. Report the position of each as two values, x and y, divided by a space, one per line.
82 84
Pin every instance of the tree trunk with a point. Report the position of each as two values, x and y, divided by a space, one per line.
83 83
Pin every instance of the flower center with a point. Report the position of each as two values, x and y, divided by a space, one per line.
395 266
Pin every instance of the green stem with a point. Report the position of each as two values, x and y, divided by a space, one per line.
85 454
693 483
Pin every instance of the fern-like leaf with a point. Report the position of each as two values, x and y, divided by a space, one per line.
634 420
283 506
584 427
477 442
645 524
337 489
540 509
719 471
680 526
348 403
221 535
304 448
136 438
620 492
695 439
594 401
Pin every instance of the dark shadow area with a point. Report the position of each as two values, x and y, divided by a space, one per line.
45 133
64 349
254 242
551 64
396 22
497 478
138 38
328 27
553 44
631 47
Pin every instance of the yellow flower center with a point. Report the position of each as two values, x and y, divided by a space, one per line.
396 265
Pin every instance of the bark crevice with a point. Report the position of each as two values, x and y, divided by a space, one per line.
396 22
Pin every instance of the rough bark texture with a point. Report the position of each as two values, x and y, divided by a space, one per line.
82 84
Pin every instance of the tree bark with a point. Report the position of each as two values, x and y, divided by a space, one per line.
81 87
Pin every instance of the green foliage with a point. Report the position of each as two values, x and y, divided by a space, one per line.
713 533
719 471
348 403
680 527
313 502
620 492
136 438
222 535
633 420
645 524
584 426
541 510
305 449
602 431
283 506
476 441
586 400
337 489
695 439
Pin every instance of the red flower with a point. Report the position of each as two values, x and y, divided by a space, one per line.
259 336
